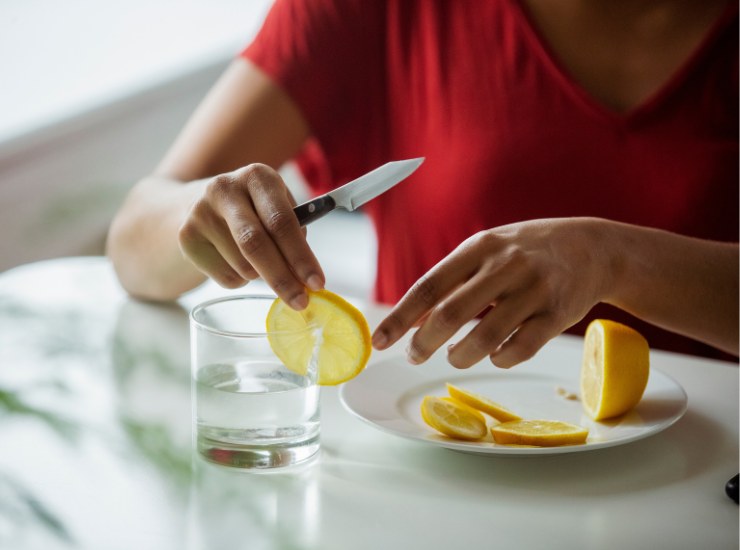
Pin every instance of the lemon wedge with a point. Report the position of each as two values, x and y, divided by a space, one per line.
614 370
482 403
330 331
539 433
453 420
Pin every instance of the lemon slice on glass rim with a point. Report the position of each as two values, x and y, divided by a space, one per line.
330 332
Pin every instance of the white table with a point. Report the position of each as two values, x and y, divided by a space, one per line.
95 452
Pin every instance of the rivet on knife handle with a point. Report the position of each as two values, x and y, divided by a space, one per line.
313 210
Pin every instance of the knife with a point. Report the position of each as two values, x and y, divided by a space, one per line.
354 194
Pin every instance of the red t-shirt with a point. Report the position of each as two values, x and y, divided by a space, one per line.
507 134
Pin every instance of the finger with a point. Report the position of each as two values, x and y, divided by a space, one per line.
526 341
206 228
260 251
224 244
427 292
492 331
233 195
210 262
274 206
451 314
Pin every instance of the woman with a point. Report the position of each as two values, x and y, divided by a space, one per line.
578 154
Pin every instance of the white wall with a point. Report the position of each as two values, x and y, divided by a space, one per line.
73 141
92 93
60 187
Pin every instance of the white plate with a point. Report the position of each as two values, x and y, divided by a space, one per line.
388 395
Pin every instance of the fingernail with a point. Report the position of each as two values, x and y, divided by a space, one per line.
299 302
380 339
314 282
412 357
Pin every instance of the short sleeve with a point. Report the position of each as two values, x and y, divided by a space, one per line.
329 57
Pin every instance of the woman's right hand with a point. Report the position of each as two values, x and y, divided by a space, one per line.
242 227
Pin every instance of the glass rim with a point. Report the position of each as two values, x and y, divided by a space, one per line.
236 333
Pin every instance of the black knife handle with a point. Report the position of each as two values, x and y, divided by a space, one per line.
314 209
731 488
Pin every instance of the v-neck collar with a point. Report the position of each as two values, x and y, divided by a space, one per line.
652 102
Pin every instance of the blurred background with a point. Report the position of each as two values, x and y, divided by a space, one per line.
93 92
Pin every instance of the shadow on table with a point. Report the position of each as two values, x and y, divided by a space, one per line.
151 367
39 342
275 510
638 466
91 384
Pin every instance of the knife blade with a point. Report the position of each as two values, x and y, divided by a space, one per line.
354 194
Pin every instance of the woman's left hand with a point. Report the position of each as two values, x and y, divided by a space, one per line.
530 281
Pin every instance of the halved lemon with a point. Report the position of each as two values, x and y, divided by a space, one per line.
330 331
452 419
482 403
540 433
615 369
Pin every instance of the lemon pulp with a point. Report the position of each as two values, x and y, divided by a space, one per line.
614 370
453 420
482 403
330 332
540 433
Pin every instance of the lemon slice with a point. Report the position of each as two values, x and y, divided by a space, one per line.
482 403
539 433
330 331
615 369
471 410
452 419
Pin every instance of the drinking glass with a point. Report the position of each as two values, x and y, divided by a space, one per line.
249 410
